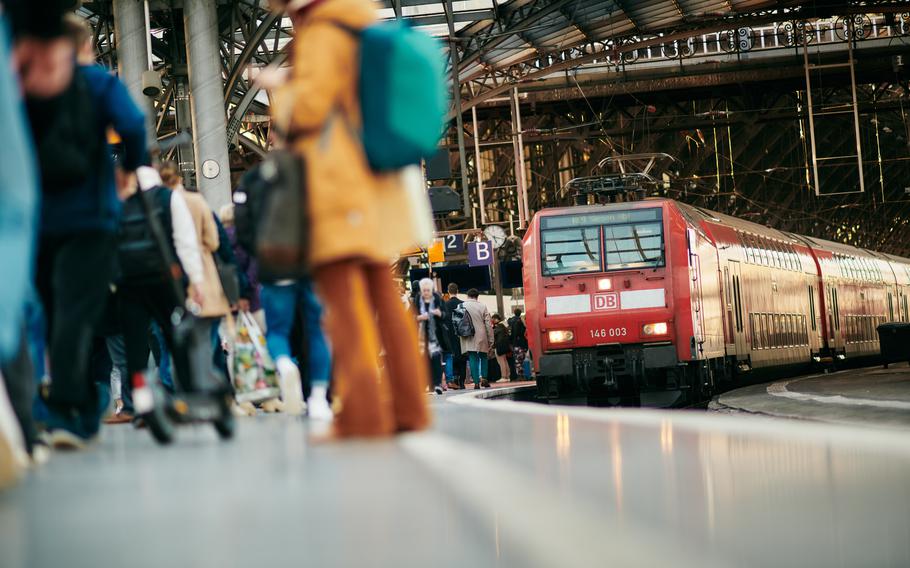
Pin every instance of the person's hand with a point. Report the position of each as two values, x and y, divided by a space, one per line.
423 317
45 66
243 305
196 295
272 77
437 312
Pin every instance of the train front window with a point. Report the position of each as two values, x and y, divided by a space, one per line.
570 251
635 245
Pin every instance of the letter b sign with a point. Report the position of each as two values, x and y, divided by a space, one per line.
480 253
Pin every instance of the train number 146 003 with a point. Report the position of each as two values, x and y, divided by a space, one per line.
611 332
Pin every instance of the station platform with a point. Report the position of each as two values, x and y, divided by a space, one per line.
495 483
872 396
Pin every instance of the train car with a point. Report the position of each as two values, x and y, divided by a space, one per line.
666 302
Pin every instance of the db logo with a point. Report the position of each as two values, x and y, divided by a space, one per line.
609 301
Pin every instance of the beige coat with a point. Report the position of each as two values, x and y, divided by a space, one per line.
214 302
482 341
355 212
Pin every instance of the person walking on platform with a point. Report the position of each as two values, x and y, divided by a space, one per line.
479 345
284 300
44 64
502 347
79 221
434 333
214 303
144 293
356 223
456 363
518 334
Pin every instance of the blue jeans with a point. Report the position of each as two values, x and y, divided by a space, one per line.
164 358
281 303
478 364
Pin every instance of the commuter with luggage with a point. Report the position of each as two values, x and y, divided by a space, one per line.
284 297
360 211
456 362
144 291
475 331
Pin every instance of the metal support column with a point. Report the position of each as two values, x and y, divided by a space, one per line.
518 146
132 39
213 167
480 196
459 120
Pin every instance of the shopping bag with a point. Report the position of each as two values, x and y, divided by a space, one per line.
254 376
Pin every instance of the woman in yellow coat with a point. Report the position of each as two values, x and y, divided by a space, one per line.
359 223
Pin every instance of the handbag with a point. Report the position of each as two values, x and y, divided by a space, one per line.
283 227
254 376
230 281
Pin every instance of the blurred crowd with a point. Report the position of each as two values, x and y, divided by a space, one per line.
118 275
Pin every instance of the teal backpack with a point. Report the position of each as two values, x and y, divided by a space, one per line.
403 94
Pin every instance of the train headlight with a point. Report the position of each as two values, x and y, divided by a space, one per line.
604 284
654 328
561 336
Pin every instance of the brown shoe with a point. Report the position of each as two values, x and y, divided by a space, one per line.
119 418
453 386
484 384
476 386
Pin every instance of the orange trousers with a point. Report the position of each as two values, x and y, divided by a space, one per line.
364 316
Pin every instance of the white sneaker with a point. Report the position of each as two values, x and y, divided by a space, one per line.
318 405
291 392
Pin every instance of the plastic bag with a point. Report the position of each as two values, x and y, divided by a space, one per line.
254 375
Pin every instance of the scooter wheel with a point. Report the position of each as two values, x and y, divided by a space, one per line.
161 428
225 425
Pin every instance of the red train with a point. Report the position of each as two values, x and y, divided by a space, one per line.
667 301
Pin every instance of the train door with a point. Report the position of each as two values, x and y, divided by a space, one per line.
834 335
735 309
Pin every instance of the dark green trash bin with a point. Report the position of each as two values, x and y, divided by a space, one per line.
894 339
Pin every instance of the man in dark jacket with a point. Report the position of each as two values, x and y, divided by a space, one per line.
518 334
456 362
77 245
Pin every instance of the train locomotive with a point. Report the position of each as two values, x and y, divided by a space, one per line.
667 302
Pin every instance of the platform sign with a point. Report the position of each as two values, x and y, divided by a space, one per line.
454 243
436 252
604 302
480 253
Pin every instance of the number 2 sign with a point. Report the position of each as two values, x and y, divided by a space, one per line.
454 243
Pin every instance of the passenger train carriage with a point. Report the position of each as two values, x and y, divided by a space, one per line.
667 301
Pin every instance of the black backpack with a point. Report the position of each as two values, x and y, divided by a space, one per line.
271 218
461 321
67 140
140 256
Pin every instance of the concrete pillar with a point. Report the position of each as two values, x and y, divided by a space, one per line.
207 98
132 54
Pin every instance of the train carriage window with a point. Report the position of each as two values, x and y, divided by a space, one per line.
906 311
788 256
638 245
762 330
791 330
756 340
774 330
751 254
890 307
781 253
570 251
